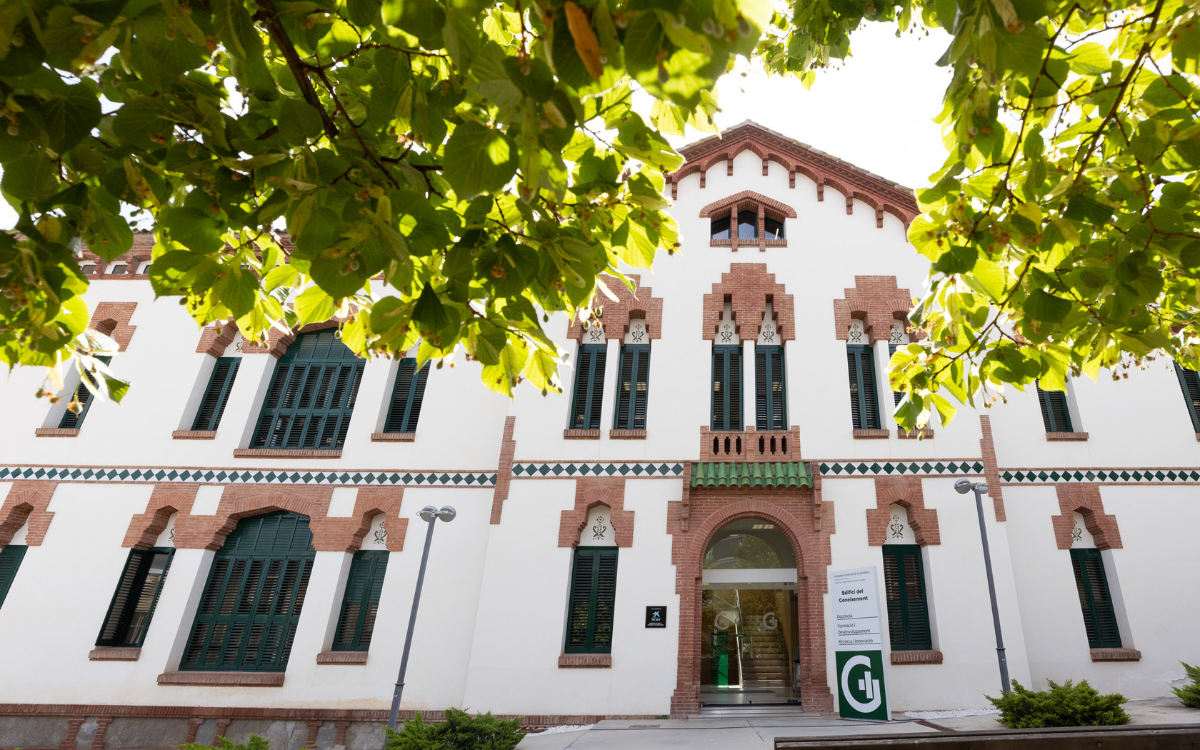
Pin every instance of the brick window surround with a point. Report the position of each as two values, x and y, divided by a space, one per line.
216 338
616 317
748 200
343 534
26 502
1084 498
797 515
905 492
748 287
876 301
112 319
590 492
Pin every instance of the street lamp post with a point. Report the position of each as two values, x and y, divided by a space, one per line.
963 486
428 514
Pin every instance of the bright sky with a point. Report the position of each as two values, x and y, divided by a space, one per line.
875 111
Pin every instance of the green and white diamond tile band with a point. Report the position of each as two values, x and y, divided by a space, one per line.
901 468
1111 476
669 469
253 476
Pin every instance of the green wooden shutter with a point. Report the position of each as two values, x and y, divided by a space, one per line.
361 602
212 406
1189 381
727 388
407 397
133 603
251 605
71 420
770 398
10 560
312 395
864 408
907 604
593 599
589 387
632 387
1055 414
898 396
1098 616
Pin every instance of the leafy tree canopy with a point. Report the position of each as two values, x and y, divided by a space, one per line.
483 159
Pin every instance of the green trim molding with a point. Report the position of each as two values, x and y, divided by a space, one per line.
776 474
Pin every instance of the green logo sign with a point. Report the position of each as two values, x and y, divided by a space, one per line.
861 691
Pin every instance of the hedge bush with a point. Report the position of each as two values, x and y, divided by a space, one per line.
1066 705
254 743
1189 695
460 731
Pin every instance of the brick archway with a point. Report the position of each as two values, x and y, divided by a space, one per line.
793 513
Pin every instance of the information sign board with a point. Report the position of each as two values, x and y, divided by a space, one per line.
858 644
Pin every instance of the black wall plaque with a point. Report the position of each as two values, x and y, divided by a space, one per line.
656 617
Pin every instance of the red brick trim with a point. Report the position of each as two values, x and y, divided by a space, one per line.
165 500
342 657
581 434
854 183
903 434
1084 498
27 501
508 447
102 723
242 679
112 319
991 469
876 301
393 437
907 493
314 726
743 445
916 657
1116 654
62 432
626 434
72 732
794 513
871 434
616 317
716 208
104 653
194 435
284 453
590 492
1055 436
347 534
585 661
748 287
215 339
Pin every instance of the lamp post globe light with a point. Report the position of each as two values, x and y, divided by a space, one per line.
428 514
963 486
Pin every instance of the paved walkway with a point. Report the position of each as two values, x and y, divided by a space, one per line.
760 733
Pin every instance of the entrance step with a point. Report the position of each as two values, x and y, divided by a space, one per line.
776 711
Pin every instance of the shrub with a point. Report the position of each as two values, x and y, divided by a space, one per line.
1189 695
1065 705
254 743
460 731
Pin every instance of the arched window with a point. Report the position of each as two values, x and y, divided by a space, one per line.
747 225
251 605
311 396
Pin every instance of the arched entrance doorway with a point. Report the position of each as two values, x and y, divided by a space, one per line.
749 631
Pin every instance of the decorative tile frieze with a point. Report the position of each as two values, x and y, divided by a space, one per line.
1111 476
667 470
901 468
253 476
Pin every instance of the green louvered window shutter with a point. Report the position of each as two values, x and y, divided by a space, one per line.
633 387
589 387
251 605
1055 414
908 607
10 560
312 395
212 406
407 395
897 395
864 409
1189 381
71 420
1094 599
361 603
770 395
136 596
593 594
727 388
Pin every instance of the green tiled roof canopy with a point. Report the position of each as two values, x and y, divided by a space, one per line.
774 474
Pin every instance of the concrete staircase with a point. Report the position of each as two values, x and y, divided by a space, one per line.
766 662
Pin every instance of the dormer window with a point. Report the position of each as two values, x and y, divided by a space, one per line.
773 229
720 229
118 268
747 225
747 219
87 268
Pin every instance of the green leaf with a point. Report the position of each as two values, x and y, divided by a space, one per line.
141 118
424 19
70 116
236 29
298 121
30 177
1090 59
1045 307
192 228
313 305
479 160
430 313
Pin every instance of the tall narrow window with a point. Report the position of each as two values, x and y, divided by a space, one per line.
71 420
633 387
1098 616
727 388
593 594
136 596
589 387
897 337
1189 381
312 395
10 560
864 408
770 395
747 228
407 395
212 406
1055 414
251 605
361 602
908 609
